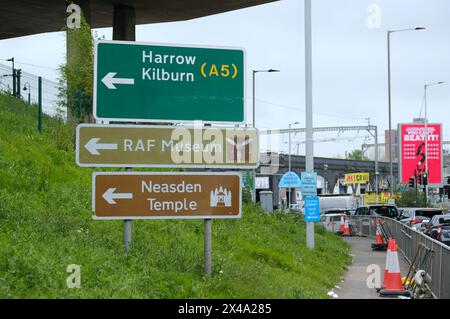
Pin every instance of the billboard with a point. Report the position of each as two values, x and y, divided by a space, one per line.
413 156
356 178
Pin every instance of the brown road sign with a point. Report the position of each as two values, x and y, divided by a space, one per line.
166 195
166 146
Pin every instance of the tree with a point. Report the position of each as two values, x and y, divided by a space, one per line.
408 199
357 155
76 81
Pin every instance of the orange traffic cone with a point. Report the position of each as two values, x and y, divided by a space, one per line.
392 285
346 226
342 226
379 243
388 256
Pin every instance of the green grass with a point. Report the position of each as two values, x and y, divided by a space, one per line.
46 224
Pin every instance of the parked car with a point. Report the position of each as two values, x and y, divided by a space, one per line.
336 211
439 228
378 210
331 222
418 218
418 223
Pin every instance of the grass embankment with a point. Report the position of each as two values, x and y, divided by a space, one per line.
45 225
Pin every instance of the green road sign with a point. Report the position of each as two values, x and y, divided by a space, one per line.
145 82
166 146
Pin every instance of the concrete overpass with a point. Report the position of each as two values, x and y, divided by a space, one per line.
26 17
331 169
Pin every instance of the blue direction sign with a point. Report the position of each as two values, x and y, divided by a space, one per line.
312 209
290 180
309 184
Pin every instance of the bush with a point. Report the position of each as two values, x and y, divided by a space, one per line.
408 199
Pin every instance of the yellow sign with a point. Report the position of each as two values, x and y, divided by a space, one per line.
383 198
356 178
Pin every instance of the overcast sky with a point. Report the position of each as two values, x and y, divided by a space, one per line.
349 61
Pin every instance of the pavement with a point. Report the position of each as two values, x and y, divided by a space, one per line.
354 285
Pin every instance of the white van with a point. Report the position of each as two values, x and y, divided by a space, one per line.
328 202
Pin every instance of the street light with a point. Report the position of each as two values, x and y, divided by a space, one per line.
425 87
254 117
254 90
29 91
290 195
389 32
13 75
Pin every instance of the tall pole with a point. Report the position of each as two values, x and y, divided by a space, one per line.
426 129
254 101
309 107
254 125
18 90
289 190
254 119
425 189
13 75
376 165
40 104
426 136
391 172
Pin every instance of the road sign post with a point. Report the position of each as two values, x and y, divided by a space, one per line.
146 82
166 146
208 246
127 228
309 108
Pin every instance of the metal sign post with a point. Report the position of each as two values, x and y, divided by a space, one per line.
309 109
208 247
127 228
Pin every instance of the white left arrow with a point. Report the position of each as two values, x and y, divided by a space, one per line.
93 146
109 80
110 196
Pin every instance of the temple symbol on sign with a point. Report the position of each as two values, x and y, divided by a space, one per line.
240 150
220 197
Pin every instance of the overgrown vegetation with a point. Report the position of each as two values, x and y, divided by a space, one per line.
76 83
357 155
408 199
46 225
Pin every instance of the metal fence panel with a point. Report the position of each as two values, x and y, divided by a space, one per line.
436 263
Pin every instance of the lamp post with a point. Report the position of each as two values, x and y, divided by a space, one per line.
13 75
290 195
389 32
254 91
254 117
29 91
425 87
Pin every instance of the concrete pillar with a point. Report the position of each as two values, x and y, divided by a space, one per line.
86 10
124 23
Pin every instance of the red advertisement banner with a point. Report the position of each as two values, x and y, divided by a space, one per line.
413 153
